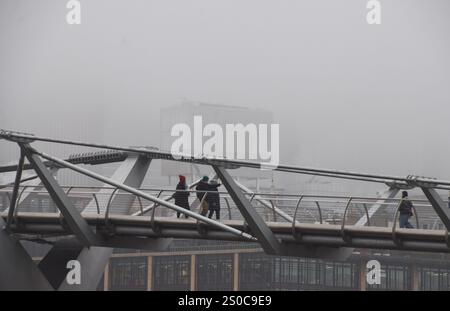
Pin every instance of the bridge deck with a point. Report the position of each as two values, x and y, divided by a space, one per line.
305 234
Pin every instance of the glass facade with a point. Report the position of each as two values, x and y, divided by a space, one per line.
434 278
258 271
255 272
261 272
214 272
393 277
128 273
171 272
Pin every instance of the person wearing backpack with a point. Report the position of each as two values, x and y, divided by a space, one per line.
406 211
202 195
214 199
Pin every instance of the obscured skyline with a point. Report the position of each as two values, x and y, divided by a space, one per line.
347 95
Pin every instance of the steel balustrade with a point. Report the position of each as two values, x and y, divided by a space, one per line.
396 216
298 199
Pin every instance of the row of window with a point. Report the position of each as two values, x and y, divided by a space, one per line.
258 271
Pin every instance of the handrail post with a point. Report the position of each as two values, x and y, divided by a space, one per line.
228 206
96 203
109 203
140 204
367 214
394 225
294 231
344 218
320 212
416 216
16 207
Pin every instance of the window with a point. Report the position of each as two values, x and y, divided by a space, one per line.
393 277
341 275
255 271
434 278
215 272
262 272
171 272
128 273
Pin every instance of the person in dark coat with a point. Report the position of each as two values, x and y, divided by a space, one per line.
214 199
406 211
181 195
203 186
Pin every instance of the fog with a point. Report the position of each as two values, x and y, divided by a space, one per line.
347 95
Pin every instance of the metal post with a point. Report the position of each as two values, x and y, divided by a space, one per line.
131 172
439 206
12 205
150 273
362 275
106 278
193 283
236 272
259 228
75 222
17 269
414 272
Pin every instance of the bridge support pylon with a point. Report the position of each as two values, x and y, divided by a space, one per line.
17 269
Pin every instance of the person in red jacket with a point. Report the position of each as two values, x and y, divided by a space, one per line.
181 195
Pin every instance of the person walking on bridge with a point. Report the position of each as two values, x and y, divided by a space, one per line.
214 199
181 195
406 211
202 196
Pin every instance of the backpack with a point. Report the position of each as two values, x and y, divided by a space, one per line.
406 207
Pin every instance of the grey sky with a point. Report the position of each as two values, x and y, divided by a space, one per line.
347 95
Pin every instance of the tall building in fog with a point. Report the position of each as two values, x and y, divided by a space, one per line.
210 113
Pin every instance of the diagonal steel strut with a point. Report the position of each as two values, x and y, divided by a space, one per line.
439 206
146 196
259 228
75 221
15 193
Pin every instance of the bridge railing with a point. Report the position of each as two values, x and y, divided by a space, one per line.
288 208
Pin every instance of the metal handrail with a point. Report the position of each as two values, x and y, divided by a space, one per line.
305 198
320 212
140 204
108 205
229 208
152 220
96 203
344 218
16 206
355 198
267 199
367 214
294 231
